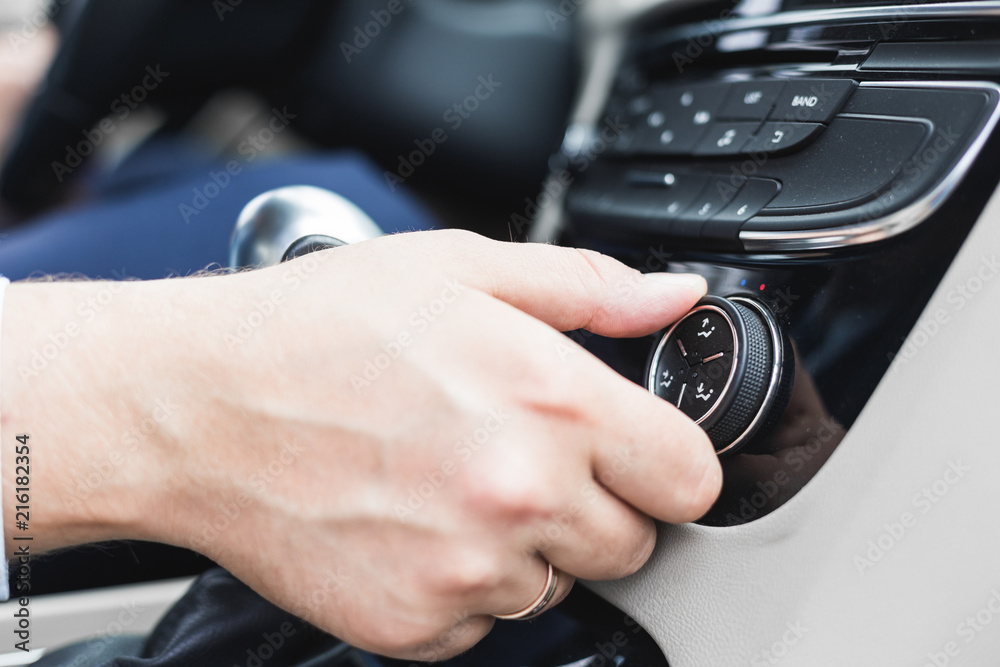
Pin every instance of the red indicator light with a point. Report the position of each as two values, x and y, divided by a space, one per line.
762 287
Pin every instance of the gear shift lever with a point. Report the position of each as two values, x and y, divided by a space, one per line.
292 221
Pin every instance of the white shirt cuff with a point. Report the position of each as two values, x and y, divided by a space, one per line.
4 582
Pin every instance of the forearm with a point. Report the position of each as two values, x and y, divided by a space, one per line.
91 371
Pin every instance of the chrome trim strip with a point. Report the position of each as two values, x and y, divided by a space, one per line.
895 223
976 8
777 361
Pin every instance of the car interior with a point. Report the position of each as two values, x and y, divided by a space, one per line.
829 166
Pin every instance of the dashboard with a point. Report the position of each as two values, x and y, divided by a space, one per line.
829 168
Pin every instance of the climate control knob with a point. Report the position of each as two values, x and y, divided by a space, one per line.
728 366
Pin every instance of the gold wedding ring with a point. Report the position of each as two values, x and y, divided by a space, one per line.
540 603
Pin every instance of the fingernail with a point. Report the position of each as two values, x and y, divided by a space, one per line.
689 280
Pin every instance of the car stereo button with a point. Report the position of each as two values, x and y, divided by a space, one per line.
718 192
725 138
673 137
651 178
639 105
723 229
751 100
690 100
678 117
777 137
812 100
669 201
755 194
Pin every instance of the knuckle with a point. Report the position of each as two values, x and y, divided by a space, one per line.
459 237
593 267
557 390
464 235
556 528
609 284
510 490
427 641
460 637
470 575
640 553
585 274
398 638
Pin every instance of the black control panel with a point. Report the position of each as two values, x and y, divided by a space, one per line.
711 119
821 180
764 163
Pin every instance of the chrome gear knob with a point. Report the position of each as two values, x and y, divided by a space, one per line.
289 221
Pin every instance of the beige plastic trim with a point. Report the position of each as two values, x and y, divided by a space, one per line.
64 618
889 555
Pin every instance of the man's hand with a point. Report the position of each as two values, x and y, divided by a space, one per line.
389 439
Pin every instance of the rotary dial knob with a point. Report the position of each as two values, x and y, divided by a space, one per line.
728 366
